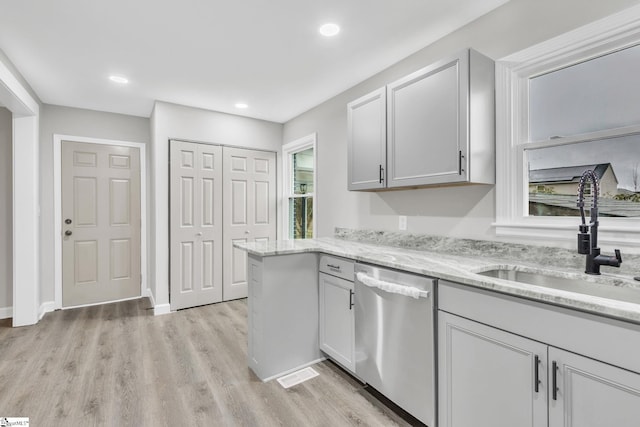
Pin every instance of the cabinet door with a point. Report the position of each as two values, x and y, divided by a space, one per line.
337 320
487 377
367 133
591 393
427 124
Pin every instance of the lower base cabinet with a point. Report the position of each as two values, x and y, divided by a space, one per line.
337 322
591 393
487 376
282 314
492 378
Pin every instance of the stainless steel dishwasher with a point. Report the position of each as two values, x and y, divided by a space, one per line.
395 337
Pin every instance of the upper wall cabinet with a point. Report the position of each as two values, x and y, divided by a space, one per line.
367 129
440 126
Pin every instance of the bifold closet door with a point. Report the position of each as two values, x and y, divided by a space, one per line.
195 224
249 211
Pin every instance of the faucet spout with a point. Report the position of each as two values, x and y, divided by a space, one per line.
588 234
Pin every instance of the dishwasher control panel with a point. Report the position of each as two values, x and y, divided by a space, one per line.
335 266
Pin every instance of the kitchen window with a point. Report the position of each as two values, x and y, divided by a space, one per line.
299 169
564 106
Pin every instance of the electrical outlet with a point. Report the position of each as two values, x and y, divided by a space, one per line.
402 222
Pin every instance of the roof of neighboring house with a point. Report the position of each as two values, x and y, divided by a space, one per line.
567 174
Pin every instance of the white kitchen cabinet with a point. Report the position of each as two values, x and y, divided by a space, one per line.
591 393
367 136
440 123
337 320
282 314
487 377
494 347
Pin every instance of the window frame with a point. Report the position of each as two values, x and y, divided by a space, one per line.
288 150
513 72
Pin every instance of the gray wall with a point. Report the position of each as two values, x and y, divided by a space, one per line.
171 121
6 210
73 122
466 211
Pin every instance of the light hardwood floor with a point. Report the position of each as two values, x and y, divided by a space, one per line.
118 365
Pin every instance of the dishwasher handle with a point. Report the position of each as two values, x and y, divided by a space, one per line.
390 287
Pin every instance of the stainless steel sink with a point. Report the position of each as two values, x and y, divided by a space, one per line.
603 287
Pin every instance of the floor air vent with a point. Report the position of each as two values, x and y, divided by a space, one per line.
297 377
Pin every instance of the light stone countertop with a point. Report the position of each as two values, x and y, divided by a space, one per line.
459 260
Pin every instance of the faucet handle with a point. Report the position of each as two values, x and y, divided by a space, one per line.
618 256
584 241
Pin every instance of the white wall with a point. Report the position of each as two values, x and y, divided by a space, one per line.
171 121
74 122
466 211
6 209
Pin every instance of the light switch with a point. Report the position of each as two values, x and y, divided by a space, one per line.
402 222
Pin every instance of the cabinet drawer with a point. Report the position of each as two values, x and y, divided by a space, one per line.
338 267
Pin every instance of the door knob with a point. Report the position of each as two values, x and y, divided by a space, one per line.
67 221
246 232
68 233
199 233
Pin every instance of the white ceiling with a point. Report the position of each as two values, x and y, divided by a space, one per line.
212 53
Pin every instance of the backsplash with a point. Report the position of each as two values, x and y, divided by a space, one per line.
544 255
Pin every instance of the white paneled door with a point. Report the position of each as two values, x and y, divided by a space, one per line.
195 224
101 223
249 211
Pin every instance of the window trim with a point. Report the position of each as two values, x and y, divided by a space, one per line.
512 74
288 150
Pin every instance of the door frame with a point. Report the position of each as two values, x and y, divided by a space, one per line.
57 209
25 194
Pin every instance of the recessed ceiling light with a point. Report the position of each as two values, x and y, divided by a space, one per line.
329 30
119 79
241 105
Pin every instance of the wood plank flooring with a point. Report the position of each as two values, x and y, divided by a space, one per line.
118 365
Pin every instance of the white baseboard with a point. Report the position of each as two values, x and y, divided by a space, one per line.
46 307
161 309
147 293
6 312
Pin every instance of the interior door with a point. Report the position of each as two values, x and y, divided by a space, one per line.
101 223
249 211
196 224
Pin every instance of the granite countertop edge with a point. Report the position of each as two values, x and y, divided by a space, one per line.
461 269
